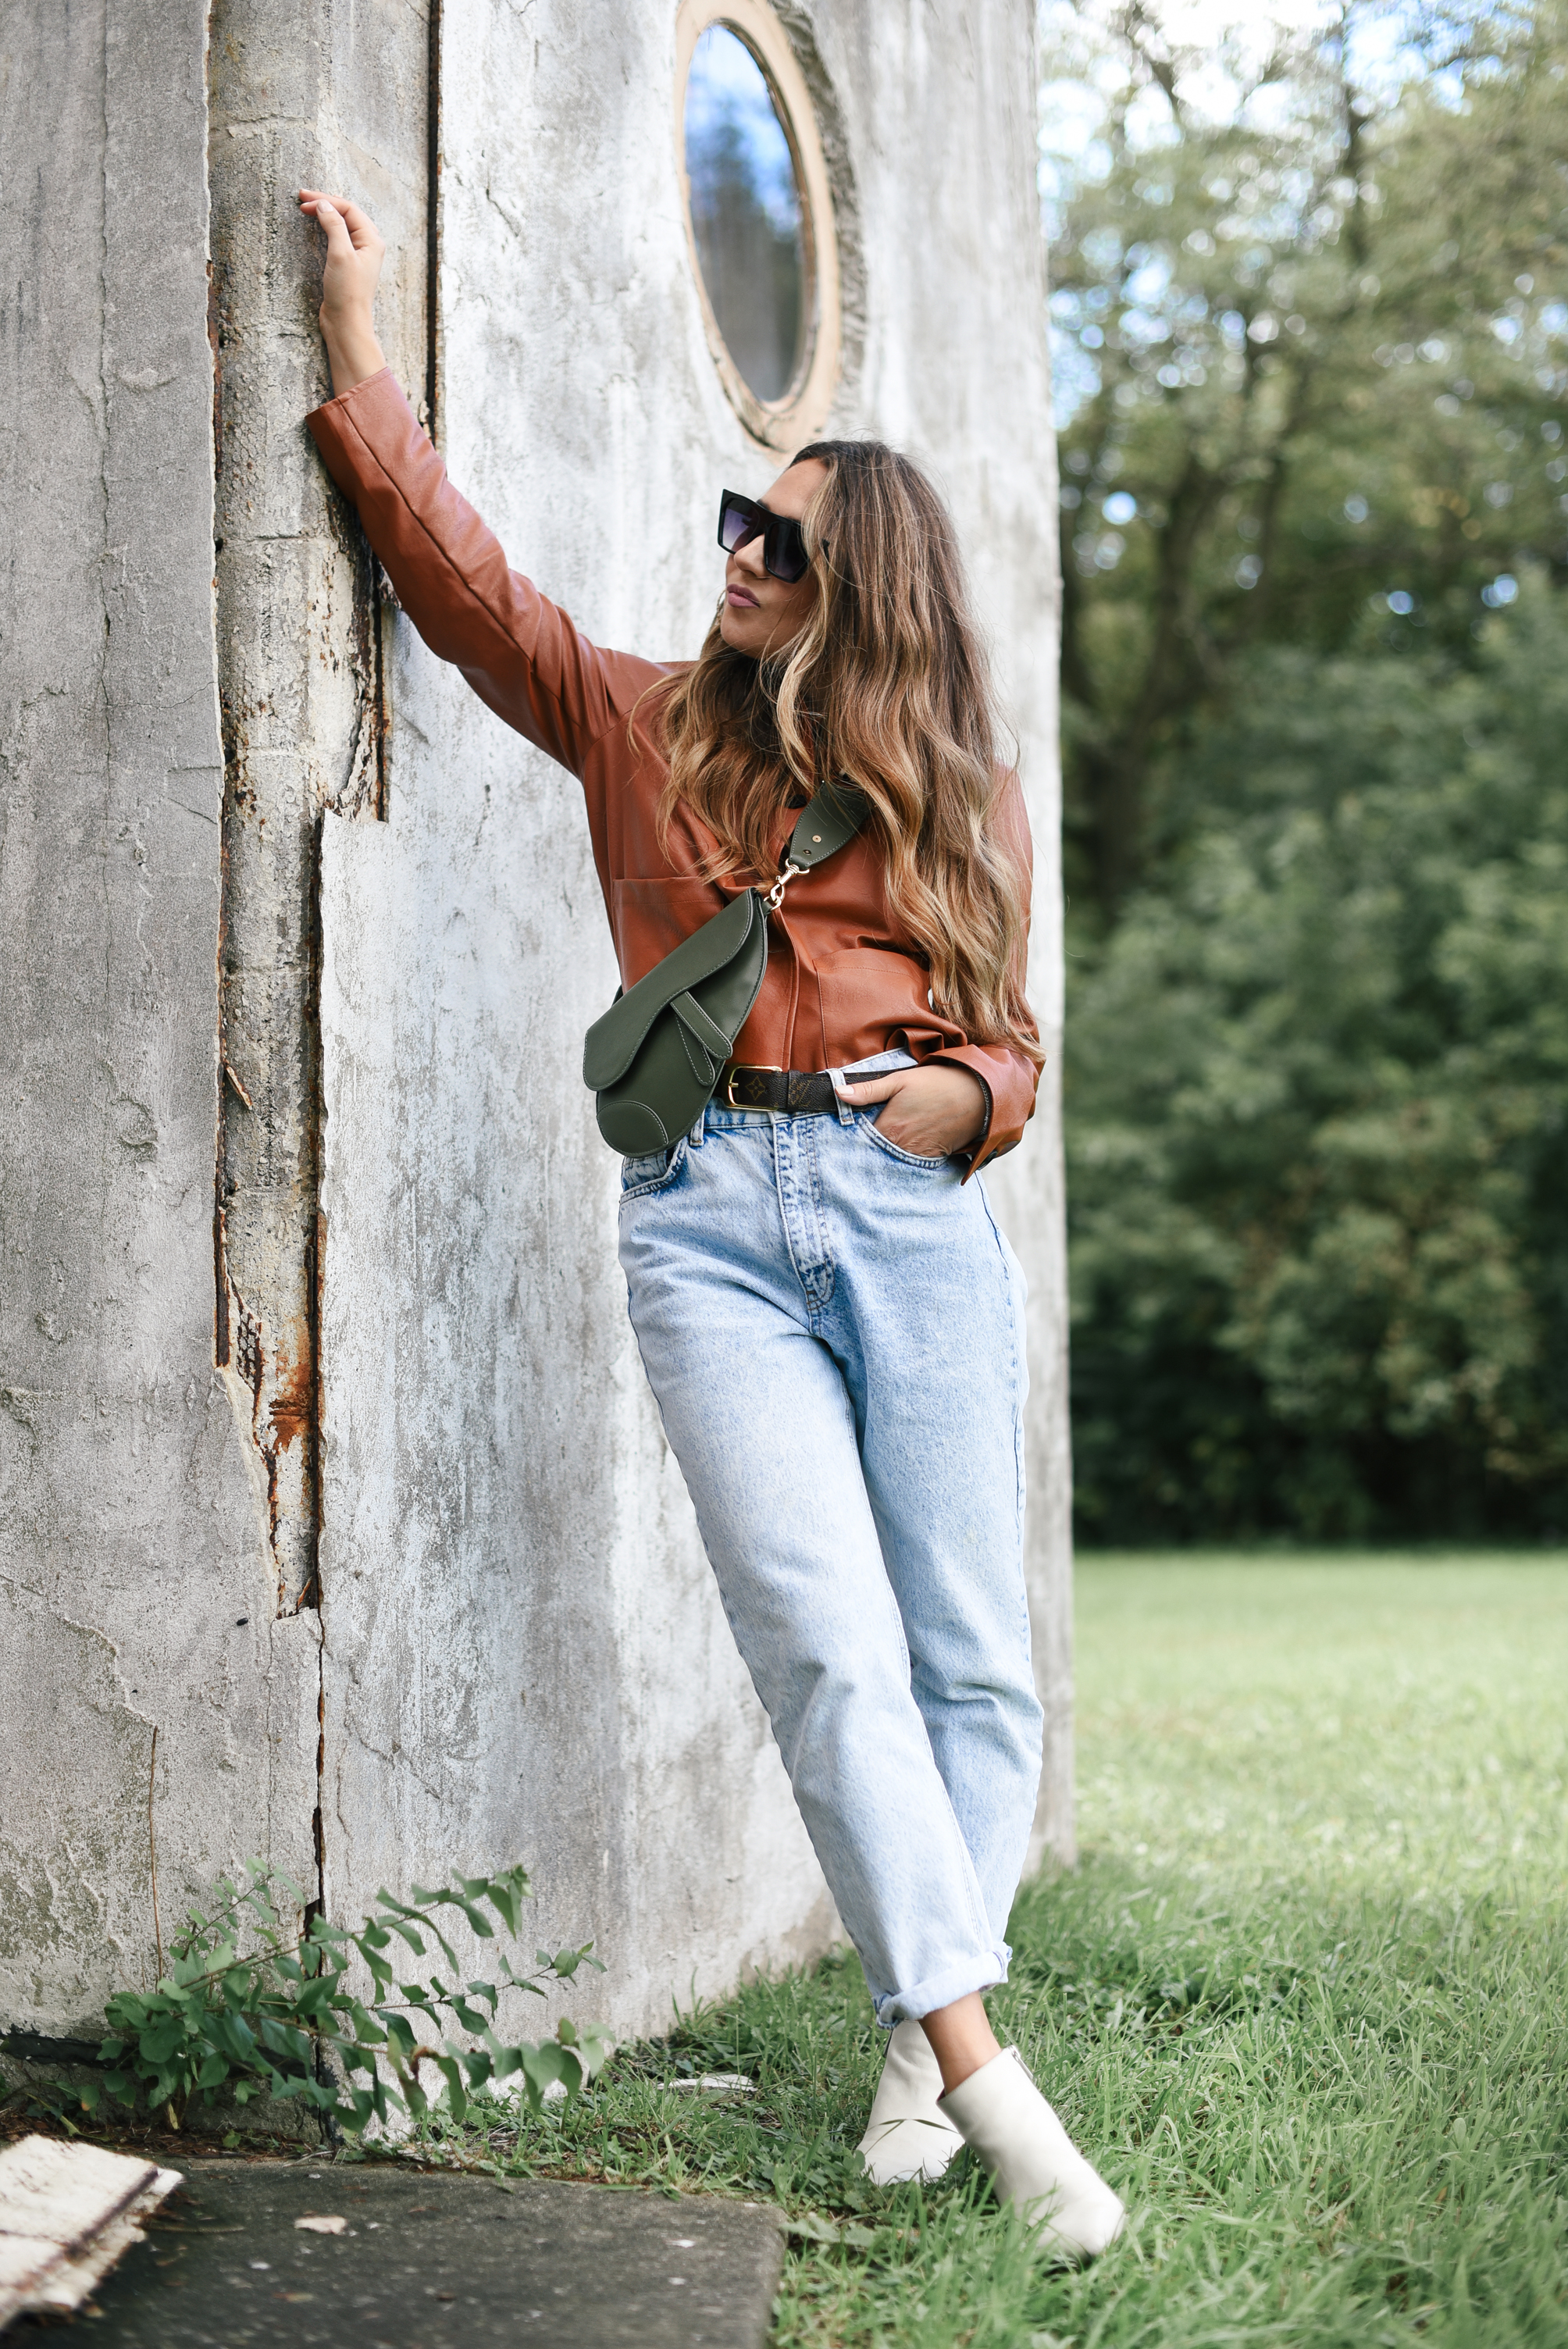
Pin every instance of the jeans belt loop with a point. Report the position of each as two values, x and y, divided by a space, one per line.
846 1114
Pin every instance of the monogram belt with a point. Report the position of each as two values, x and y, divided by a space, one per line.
789 1091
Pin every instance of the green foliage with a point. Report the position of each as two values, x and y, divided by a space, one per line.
1313 490
1317 1119
251 2006
1321 367
1304 1999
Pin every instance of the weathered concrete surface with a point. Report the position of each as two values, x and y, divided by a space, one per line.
426 2262
135 1587
525 1656
304 93
523 1648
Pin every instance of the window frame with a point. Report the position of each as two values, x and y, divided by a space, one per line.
776 424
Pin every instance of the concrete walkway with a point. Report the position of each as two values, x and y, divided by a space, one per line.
433 2262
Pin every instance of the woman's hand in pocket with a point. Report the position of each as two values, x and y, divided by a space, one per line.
932 1109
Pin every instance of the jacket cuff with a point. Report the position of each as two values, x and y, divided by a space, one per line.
1009 1083
342 399
335 436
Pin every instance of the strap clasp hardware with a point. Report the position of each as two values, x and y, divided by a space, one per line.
775 897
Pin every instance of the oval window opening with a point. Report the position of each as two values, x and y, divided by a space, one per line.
747 213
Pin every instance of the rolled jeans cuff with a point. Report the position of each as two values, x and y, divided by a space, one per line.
942 1989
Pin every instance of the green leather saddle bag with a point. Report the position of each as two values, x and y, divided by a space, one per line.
655 1058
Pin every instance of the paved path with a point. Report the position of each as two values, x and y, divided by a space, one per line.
432 2261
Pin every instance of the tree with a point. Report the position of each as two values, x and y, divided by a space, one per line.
1317 1094
1323 368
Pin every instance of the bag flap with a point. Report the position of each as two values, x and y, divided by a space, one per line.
615 1037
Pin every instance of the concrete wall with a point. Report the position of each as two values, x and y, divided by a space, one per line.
301 91
136 1593
431 1437
514 1589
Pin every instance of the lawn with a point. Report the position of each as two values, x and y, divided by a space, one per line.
1304 1999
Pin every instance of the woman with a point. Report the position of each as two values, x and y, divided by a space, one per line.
829 1318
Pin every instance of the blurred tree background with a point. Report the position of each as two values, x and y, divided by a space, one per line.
1312 320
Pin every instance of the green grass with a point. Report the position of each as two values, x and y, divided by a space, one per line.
1305 2000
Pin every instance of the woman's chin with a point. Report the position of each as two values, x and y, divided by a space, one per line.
733 629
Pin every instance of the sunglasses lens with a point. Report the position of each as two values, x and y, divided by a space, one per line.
735 526
785 551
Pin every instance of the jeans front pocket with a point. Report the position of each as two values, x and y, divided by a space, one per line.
869 1128
653 1173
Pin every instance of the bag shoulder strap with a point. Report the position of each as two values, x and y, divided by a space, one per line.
827 824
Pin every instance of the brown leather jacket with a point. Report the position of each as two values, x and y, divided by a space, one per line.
844 979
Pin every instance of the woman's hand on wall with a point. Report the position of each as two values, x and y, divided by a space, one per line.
932 1110
354 251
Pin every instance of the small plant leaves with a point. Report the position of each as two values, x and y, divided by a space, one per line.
259 2020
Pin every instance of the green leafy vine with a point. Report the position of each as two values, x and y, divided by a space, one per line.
279 2016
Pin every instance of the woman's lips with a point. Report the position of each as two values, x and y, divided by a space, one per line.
741 601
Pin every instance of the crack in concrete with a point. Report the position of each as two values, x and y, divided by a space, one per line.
104 505
301 655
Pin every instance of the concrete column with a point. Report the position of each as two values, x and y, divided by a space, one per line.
523 1648
158 1723
318 93
325 1451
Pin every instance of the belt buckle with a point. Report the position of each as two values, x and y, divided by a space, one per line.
746 1069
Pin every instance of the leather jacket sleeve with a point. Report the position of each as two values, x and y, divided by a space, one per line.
519 652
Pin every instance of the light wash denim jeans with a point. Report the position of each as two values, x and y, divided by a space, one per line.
834 1332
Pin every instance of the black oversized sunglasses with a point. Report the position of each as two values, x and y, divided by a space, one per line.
784 555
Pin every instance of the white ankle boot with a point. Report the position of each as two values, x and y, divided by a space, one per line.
1031 2160
908 2134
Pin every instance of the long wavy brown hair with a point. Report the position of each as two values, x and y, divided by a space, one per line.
887 685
